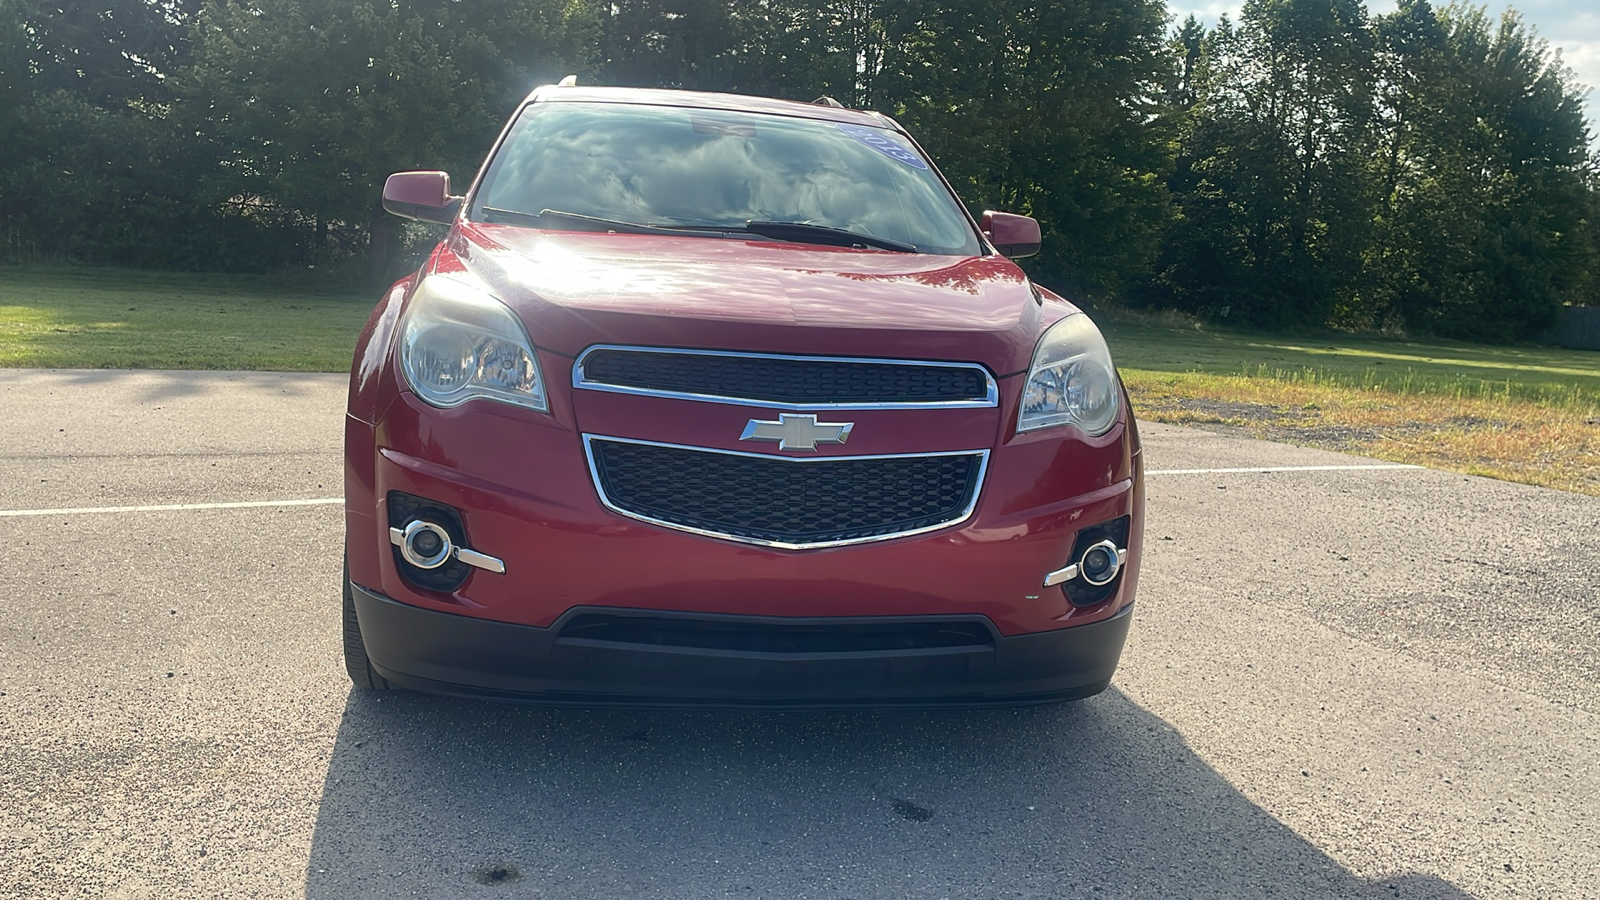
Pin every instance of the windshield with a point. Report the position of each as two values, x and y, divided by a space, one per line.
713 169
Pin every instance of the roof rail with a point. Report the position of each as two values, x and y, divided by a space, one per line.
825 100
569 81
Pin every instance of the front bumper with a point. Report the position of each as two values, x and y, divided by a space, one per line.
526 496
464 655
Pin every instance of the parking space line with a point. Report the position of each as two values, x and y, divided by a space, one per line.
330 501
333 500
1264 469
169 507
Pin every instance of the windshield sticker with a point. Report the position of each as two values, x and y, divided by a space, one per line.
883 143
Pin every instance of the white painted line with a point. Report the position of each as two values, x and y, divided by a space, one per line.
329 501
1264 469
171 507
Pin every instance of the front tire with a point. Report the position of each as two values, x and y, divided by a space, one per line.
355 650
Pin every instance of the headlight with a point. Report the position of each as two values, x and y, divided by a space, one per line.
1072 381
458 343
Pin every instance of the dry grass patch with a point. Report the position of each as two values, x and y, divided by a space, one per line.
1552 444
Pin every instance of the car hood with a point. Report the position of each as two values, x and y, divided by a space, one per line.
576 289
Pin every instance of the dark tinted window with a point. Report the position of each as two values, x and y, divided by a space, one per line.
661 165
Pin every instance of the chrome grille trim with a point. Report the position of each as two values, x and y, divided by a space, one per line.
580 379
964 515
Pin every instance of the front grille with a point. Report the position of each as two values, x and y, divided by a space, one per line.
781 501
757 636
784 380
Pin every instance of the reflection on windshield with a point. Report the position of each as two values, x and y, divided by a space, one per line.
670 166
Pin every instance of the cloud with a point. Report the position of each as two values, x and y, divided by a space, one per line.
1583 57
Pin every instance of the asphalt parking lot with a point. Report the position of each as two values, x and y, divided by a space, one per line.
1345 680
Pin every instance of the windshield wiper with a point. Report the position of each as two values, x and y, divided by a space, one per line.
806 233
548 217
800 232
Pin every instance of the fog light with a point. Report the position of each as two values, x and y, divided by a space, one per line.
425 545
1100 563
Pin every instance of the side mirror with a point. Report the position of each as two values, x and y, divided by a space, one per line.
1013 235
421 195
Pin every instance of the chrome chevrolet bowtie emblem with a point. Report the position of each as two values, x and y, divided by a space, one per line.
797 432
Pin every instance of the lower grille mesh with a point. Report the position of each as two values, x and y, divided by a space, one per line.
776 500
757 636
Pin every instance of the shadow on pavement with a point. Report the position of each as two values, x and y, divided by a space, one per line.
448 798
165 385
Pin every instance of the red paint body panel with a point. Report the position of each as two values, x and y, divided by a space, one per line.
575 289
431 188
521 479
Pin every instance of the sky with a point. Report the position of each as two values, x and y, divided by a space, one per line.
1572 26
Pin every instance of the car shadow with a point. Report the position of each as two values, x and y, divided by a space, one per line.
447 798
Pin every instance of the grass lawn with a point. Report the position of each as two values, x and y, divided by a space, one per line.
1521 413
98 318
1528 414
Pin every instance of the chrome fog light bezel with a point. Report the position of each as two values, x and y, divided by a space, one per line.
1114 559
408 548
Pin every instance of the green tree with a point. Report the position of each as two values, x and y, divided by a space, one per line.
1486 219
90 166
14 51
691 44
312 105
1269 183
108 52
1042 108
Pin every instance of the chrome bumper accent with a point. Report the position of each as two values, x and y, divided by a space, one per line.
473 558
582 379
1062 576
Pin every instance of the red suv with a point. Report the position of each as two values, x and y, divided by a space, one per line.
708 399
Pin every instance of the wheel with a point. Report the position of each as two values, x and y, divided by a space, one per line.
355 650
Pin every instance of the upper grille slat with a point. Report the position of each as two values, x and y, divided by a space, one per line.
783 380
785 502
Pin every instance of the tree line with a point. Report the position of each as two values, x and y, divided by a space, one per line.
1307 164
